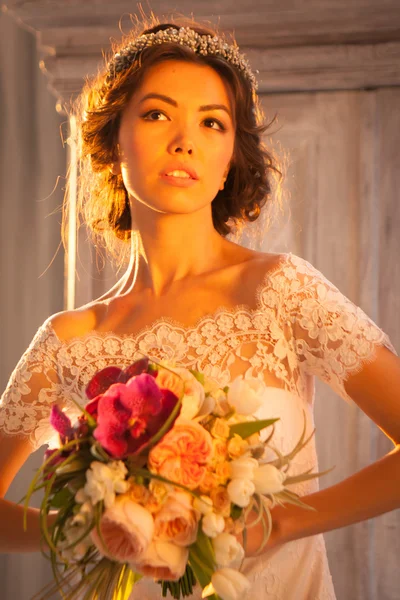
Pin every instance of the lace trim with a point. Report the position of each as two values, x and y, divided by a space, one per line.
173 323
302 326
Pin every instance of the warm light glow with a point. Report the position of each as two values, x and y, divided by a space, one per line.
70 263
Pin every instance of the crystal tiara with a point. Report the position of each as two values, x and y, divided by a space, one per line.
185 36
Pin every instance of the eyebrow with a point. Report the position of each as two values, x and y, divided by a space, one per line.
173 102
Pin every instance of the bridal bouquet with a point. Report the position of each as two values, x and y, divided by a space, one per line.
156 479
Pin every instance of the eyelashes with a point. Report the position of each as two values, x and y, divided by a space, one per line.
212 119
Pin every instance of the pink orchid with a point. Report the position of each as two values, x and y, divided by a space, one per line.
61 423
106 377
129 414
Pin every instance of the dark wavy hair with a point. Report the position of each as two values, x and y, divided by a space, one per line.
102 199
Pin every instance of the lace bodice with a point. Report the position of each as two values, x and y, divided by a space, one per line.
301 326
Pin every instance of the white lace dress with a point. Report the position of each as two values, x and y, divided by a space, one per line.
300 326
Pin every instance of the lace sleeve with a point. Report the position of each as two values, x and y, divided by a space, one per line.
334 338
33 387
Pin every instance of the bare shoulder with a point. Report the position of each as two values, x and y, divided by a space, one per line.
68 324
265 262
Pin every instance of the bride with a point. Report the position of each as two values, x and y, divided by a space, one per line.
171 157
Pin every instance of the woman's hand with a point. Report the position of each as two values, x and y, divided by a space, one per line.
255 534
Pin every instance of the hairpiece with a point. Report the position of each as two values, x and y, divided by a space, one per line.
185 36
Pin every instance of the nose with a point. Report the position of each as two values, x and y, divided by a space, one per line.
182 149
182 143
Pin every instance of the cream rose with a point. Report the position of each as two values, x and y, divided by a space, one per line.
243 468
176 521
194 394
269 480
240 491
228 551
163 560
213 524
127 530
229 584
203 505
246 395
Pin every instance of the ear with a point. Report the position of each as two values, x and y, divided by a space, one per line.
225 176
115 168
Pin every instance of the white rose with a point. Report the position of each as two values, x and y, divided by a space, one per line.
240 491
228 551
104 481
194 396
246 395
96 490
268 480
243 467
203 505
81 496
74 529
213 524
163 560
229 584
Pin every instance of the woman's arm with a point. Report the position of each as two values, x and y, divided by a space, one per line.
13 538
368 493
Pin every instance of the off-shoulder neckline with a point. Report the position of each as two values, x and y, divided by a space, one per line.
174 324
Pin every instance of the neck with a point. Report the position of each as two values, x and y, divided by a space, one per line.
174 247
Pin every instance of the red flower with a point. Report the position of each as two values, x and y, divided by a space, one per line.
106 377
128 415
91 407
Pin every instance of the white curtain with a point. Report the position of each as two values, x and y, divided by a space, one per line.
32 158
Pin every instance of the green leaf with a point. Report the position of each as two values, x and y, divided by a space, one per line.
61 498
199 376
236 511
247 429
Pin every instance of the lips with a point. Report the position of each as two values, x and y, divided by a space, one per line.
180 167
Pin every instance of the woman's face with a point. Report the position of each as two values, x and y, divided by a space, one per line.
178 129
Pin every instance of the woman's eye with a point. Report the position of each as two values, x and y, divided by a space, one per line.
220 125
149 117
153 112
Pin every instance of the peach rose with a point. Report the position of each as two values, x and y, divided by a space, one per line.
222 472
157 496
209 482
220 429
139 493
163 560
127 530
176 521
237 446
219 450
170 381
182 454
221 501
